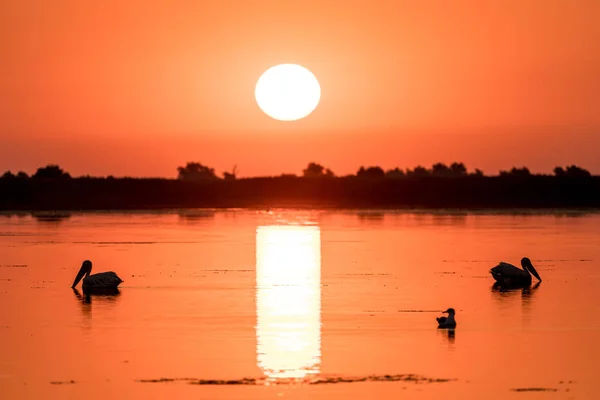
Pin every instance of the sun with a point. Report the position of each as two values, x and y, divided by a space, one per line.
287 92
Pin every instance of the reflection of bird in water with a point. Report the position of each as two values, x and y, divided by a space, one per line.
451 335
103 282
526 292
508 275
86 304
86 308
449 321
87 297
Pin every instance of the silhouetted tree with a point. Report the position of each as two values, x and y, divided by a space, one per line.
559 171
51 171
394 173
458 169
370 173
22 175
520 172
576 171
194 171
477 172
8 175
313 170
441 169
418 172
572 171
230 176
454 170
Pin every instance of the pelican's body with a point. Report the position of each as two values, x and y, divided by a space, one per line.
449 321
508 275
100 282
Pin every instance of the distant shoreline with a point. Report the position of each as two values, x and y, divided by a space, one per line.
406 193
366 213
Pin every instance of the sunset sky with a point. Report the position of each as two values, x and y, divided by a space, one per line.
139 87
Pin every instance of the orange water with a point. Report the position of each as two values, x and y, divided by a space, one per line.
286 298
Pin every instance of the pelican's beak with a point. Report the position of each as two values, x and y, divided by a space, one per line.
80 275
533 271
445 312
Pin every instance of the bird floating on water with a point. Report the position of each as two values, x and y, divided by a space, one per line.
103 282
449 321
508 275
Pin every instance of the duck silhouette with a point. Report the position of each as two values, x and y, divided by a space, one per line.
449 321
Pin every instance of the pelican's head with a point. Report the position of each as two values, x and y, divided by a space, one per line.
449 311
86 269
526 264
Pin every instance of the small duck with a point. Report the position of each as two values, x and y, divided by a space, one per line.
449 321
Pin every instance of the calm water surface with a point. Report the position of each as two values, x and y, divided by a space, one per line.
299 304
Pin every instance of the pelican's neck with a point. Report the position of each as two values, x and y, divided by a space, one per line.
450 319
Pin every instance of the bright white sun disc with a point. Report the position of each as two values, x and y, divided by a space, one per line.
287 92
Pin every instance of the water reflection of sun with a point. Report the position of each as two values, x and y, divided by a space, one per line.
288 301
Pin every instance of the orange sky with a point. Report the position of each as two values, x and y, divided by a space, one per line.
140 87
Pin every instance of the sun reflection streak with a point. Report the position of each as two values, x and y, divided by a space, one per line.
288 301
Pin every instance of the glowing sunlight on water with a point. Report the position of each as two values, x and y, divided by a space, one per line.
288 301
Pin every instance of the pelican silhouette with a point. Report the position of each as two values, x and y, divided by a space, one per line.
103 282
508 275
447 322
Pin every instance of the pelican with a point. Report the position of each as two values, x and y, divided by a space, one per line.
101 282
508 275
449 321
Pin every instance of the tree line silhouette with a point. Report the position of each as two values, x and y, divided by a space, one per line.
198 171
198 185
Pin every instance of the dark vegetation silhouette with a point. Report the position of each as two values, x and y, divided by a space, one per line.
194 171
231 176
199 186
314 170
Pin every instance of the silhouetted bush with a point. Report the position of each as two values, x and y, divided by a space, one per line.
194 171
516 172
559 171
8 175
371 173
395 173
51 171
575 171
418 172
230 176
314 170
440 169
458 169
